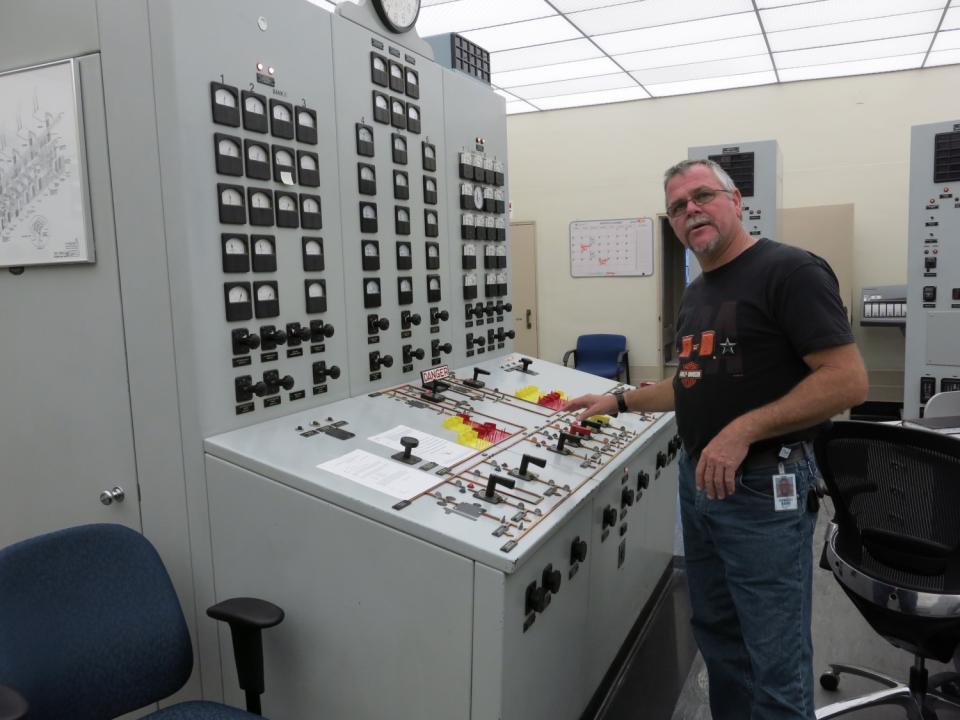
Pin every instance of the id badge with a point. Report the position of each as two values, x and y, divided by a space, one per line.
784 492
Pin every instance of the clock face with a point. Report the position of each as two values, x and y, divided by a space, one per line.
398 15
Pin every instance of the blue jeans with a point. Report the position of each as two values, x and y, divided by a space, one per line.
749 570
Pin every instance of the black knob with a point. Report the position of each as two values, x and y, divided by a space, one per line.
409 443
259 388
286 382
275 335
328 330
643 480
243 339
377 360
537 599
436 315
609 517
578 550
661 460
507 307
490 309
333 371
551 579
563 439
320 329
478 309
418 353
490 492
626 497
445 347
592 424
415 319
510 334
527 460
526 364
387 360
477 372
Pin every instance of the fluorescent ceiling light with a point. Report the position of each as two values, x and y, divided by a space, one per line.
876 29
522 34
528 57
708 84
699 71
854 51
700 52
860 67
464 15
947 40
592 98
836 11
944 57
560 71
653 13
571 87
696 31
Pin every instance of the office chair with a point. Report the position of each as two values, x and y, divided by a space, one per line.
91 628
943 404
894 547
601 354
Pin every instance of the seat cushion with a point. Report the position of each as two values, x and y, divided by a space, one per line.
201 711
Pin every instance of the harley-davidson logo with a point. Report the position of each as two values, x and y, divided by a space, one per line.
689 374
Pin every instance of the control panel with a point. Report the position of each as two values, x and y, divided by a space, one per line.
933 266
884 305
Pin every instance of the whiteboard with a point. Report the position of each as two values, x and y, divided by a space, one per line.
604 248
44 213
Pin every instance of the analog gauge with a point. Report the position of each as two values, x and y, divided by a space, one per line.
378 64
280 112
266 293
403 250
364 134
412 78
305 119
253 105
231 197
238 294
286 203
400 179
431 219
263 247
399 144
396 71
469 249
398 15
308 163
380 101
403 215
397 107
370 250
369 213
228 148
478 197
470 279
315 290
373 288
366 173
234 246
405 285
312 247
310 205
490 251
413 113
224 97
257 153
284 158
260 201
433 284
432 251
429 153
430 185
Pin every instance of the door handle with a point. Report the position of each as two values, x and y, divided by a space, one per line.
108 497
529 313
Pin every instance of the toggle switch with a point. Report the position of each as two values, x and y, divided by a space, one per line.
408 443
489 494
477 372
523 472
436 314
407 319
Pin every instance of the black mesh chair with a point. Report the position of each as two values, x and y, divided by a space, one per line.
894 547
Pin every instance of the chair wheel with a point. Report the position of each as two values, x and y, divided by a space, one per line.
829 681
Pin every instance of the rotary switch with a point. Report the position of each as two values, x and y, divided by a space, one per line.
320 329
503 307
296 333
578 550
409 353
501 335
661 460
436 314
408 318
643 480
377 360
321 372
537 599
609 517
375 324
436 347
551 579
243 341
626 497
271 337
287 382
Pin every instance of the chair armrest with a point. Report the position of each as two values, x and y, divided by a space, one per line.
247 617
13 706
567 354
624 357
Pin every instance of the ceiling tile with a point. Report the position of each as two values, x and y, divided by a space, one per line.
519 106
558 71
696 31
854 51
944 57
781 3
528 57
462 15
593 98
698 71
522 34
860 67
653 13
570 87
706 85
568 6
835 11
947 40
859 30
951 20
699 52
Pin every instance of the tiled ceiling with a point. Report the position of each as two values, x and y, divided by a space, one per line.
548 54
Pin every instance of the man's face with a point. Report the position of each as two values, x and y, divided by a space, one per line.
708 228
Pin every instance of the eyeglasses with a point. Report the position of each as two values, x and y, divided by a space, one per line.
701 197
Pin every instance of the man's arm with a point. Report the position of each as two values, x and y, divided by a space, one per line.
652 398
838 381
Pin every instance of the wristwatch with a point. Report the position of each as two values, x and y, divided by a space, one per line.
621 402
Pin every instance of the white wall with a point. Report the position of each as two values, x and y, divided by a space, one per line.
844 140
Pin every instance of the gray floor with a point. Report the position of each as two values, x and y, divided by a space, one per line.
665 678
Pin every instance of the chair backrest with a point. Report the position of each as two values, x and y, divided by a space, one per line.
896 492
90 625
600 347
943 404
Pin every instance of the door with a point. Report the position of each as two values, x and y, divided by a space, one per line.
66 434
523 260
673 281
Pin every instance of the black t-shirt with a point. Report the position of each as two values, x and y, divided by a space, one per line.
743 330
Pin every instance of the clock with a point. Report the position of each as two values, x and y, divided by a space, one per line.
398 15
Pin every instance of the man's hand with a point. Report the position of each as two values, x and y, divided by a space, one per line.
594 404
719 461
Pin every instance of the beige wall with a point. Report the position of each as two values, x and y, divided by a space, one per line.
845 140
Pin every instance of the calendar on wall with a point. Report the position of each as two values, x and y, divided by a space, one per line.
602 248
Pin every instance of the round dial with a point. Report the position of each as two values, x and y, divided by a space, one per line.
253 105
225 97
231 197
373 288
238 294
369 250
431 219
434 284
403 251
257 153
412 78
312 247
430 185
399 144
399 179
367 173
280 112
396 71
413 113
305 119
398 15
261 201
286 203
234 246
470 279
428 152
369 213
283 158
315 290
266 293
397 107
380 101
308 162
469 250
310 205
263 247
478 197
405 285
432 251
379 64
228 148
364 132
403 216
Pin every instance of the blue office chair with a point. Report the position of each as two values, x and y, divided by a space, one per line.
601 354
91 628
894 548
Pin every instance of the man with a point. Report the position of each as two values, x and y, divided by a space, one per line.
766 356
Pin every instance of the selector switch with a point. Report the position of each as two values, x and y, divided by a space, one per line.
929 293
436 315
578 550
551 579
375 324
537 599
437 347
407 319
643 480
489 494
409 443
409 353
609 518
475 383
626 498
243 341
270 337
661 460
320 330
523 472
321 372
377 361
